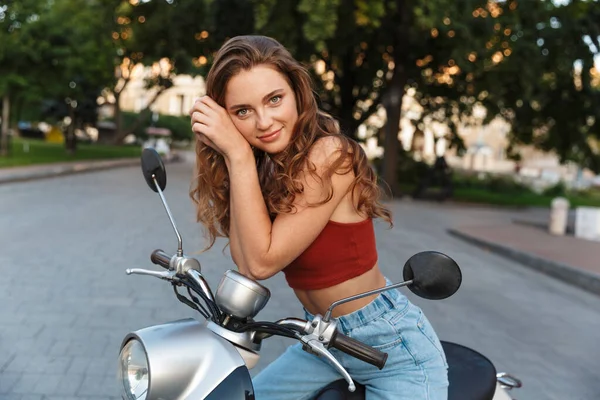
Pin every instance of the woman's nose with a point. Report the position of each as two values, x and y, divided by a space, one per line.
263 121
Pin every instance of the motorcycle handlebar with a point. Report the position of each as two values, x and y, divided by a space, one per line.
161 258
358 350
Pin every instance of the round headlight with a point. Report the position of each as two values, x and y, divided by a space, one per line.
134 374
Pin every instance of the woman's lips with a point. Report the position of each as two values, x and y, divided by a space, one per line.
271 136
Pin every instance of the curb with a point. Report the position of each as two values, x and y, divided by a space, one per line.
586 280
75 168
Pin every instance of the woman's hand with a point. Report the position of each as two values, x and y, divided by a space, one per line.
214 127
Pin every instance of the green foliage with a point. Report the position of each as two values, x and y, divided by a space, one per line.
490 183
179 126
527 61
556 190
475 195
321 20
19 49
410 172
43 57
519 59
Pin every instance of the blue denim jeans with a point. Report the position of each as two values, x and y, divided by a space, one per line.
416 367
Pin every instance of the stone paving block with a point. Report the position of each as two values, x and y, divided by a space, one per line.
95 385
38 364
31 346
21 331
78 347
8 381
49 383
53 318
79 365
6 356
111 221
62 398
104 366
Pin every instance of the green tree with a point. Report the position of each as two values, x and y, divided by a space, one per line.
79 58
538 76
67 63
147 32
19 55
517 58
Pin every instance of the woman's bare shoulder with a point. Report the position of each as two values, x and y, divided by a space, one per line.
325 150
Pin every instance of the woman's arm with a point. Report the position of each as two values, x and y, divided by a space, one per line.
236 250
261 248
266 248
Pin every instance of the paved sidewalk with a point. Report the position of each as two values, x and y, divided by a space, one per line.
525 239
26 173
517 234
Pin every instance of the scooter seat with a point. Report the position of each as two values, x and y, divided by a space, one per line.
472 377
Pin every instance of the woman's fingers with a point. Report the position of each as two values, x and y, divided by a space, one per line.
199 128
210 103
205 105
202 138
199 117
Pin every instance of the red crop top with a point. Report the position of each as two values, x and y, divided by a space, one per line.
340 252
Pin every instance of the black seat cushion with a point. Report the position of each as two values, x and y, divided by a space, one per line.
338 390
472 376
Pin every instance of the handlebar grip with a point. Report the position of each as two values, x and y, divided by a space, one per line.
161 258
358 350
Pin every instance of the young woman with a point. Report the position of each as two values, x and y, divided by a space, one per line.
294 195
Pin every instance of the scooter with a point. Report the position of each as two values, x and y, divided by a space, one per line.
188 359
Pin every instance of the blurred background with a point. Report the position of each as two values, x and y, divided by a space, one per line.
482 116
506 92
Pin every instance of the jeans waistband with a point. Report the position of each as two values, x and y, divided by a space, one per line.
384 302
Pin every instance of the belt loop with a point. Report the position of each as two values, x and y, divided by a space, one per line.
388 298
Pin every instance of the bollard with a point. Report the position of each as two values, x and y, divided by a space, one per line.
559 214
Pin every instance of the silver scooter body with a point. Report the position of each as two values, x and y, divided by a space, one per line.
186 360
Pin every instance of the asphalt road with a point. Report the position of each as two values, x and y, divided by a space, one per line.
66 302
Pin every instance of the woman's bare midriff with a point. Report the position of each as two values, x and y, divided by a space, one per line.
318 301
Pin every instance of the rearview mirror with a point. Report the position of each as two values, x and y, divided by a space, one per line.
434 275
153 169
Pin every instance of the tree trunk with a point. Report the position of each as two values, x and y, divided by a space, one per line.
393 108
392 100
118 115
5 125
349 127
348 123
71 138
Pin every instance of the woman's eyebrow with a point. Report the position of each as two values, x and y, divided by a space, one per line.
265 98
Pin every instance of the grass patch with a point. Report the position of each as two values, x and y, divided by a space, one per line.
524 199
40 152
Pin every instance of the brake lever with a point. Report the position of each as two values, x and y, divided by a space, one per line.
318 347
166 275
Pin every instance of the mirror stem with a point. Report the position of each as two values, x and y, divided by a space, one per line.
361 295
164 201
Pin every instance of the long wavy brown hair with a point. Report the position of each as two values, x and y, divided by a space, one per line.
278 173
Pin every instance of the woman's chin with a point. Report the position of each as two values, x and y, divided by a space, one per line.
275 147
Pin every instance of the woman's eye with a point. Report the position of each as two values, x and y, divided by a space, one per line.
242 112
275 99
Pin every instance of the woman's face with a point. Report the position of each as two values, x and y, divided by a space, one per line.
262 106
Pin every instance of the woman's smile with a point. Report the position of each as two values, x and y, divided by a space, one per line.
270 137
